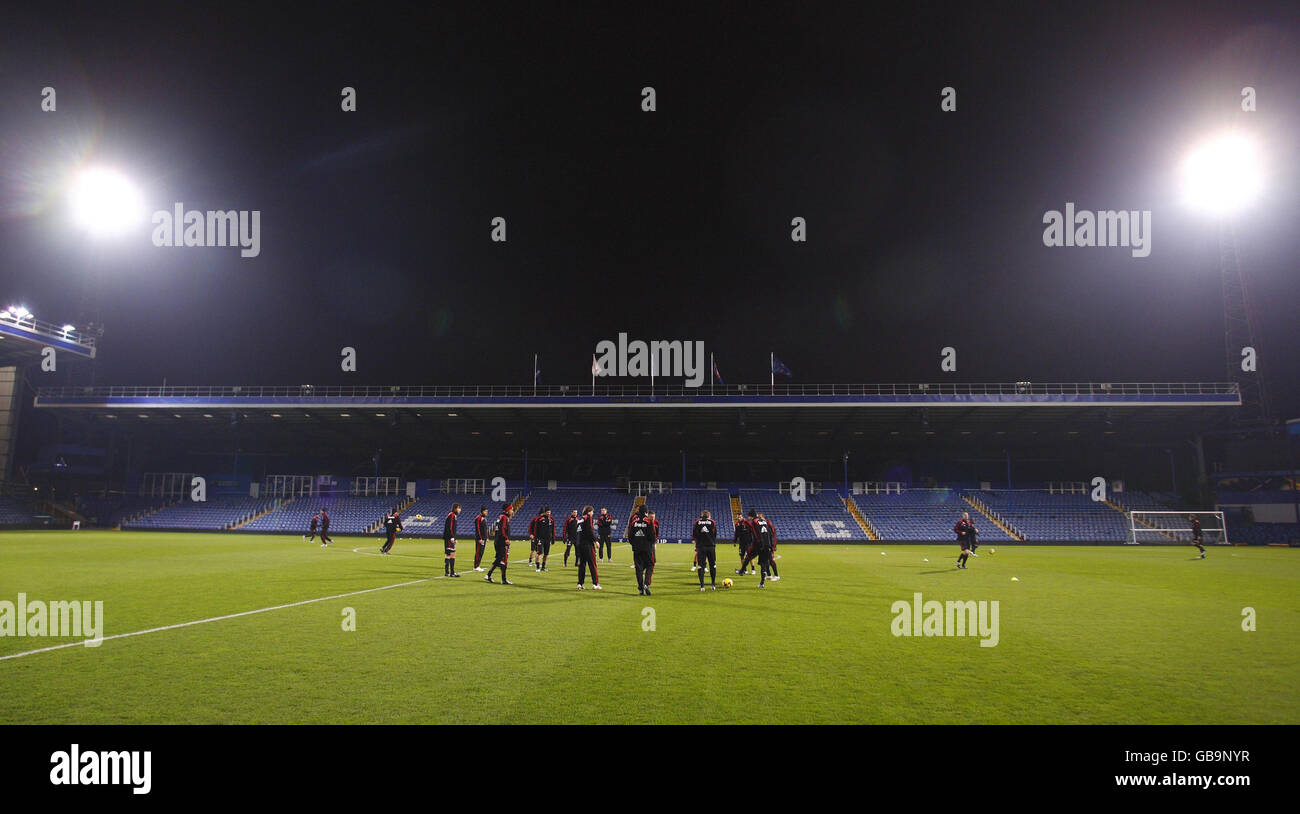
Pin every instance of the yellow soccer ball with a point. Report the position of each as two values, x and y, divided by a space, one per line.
727 583
419 517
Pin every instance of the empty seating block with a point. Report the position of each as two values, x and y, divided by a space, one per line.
211 515
925 515
562 501
14 511
677 512
823 516
1045 517
433 509
348 515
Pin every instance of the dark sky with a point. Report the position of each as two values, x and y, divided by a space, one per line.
925 228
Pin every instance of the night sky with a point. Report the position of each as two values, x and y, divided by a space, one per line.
924 227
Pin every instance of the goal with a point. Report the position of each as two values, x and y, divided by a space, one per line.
1175 528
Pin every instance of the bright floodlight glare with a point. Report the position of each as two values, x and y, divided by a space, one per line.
1224 175
67 328
104 202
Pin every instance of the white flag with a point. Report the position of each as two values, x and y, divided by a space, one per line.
595 368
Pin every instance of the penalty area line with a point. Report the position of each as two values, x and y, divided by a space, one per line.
83 642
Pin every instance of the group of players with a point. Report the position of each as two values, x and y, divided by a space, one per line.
589 538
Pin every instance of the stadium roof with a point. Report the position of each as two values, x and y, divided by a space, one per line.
22 340
638 397
791 415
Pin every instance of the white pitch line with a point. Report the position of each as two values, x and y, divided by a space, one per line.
82 643
358 550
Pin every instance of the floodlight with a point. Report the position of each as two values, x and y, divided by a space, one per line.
1223 175
104 202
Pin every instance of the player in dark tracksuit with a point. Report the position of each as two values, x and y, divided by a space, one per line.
532 542
481 532
705 535
744 542
534 549
1196 533
315 519
775 574
605 528
543 531
641 534
449 542
966 532
654 550
764 539
585 547
325 528
392 525
570 534
501 540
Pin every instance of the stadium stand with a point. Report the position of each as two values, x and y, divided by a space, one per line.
677 511
111 511
424 517
1069 518
1265 533
822 516
212 515
348 515
1145 501
924 514
432 509
563 500
14 511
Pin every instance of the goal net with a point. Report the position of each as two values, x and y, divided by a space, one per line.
1176 528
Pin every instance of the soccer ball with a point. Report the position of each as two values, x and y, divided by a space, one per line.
419 517
727 583
993 551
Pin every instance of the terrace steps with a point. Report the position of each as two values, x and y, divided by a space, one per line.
979 507
872 534
272 508
136 517
407 502
1128 515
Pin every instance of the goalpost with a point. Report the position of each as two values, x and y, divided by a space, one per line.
1175 528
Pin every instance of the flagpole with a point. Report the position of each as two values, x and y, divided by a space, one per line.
534 375
771 371
713 375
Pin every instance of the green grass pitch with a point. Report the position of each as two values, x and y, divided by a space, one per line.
1114 634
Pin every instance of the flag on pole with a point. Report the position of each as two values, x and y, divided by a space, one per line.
779 367
537 370
595 368
718 376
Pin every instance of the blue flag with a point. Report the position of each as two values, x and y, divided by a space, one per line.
779 367
718 375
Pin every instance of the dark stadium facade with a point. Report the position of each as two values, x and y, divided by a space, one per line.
1006 433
